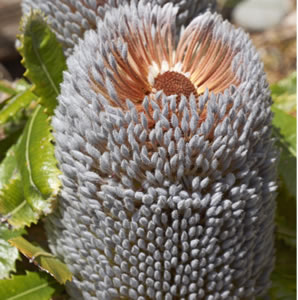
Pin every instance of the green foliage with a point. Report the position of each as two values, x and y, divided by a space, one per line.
15 209
8 254
16 103
8 167
43 59
286 219
32 286
22 85
11 89
284 274
8 257
37 164
9 140
25 191
17 212
14 113
5 87
287 129
42 259
285 132
29 181
284 93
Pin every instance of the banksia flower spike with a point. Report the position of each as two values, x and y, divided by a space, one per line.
70 19
167 160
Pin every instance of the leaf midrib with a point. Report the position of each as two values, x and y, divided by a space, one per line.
27 155
31 291
42 64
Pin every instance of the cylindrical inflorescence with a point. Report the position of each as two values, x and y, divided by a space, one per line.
167 159
70 19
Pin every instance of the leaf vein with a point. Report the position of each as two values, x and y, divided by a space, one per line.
27 148
31 291
43 66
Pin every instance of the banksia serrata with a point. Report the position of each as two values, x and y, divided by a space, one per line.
70 19
167 160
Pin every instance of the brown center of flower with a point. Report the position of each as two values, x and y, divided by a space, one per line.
173 83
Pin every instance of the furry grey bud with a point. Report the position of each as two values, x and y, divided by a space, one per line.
167 159
71 19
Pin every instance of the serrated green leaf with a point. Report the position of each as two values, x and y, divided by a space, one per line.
43 259
43 58
32 286
13 206
16 103
7 233
37 163
8 253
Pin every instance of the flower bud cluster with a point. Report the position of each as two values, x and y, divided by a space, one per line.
164 141
70 19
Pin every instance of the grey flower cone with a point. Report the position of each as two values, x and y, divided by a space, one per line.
165 196
70 19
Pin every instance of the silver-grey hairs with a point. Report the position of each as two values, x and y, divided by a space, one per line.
165 196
